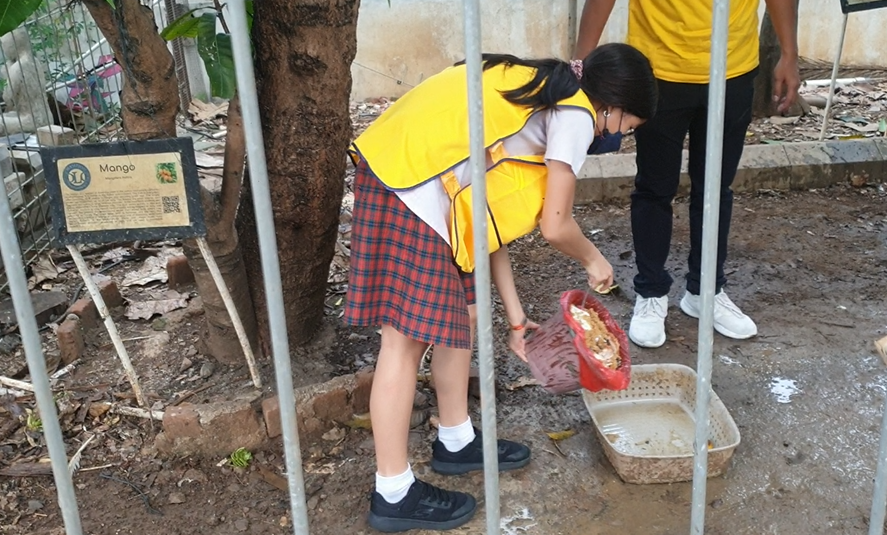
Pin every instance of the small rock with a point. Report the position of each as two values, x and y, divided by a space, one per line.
241 524
193 475
191 352
159 324
186 363
207 370
34 505
716 504
355 336
420 401
233 488
284 521
312 503
157 406
176 497
212 520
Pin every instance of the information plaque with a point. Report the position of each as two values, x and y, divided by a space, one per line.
124 191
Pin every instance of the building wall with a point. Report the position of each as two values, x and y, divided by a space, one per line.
401 44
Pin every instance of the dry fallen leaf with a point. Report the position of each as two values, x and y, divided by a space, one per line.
557 436
521 383
145 310
44 269
360 421
152 270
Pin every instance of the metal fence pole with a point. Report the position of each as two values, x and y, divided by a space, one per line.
477 165
258 172
879 497
714 148
24 313
831 87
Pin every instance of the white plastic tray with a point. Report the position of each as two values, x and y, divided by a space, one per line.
647 430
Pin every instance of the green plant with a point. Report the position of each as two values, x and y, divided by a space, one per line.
241 457
34 423
214 47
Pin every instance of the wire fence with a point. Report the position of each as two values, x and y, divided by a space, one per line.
60 85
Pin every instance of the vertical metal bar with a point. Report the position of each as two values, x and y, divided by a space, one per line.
477 166
714 148
258 173
24 313
835 67
879 497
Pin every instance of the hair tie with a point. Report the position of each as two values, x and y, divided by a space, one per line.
576 67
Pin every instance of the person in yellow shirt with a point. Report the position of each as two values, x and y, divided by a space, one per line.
676 36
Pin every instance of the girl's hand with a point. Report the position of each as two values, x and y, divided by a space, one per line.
517 338
600 274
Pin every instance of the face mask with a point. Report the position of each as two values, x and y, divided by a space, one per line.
605 143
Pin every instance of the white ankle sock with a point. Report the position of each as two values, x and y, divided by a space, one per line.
456 438
393 489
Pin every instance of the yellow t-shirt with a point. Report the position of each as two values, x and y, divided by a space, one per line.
676 36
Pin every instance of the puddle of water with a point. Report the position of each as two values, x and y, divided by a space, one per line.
727 360
784 389
520 522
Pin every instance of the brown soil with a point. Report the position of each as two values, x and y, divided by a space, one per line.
808 267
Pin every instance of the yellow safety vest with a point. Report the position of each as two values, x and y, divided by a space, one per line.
424 135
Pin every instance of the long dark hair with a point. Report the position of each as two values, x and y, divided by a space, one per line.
616 75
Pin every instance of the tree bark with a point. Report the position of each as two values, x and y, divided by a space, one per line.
218 335
149 98
304 50
769 52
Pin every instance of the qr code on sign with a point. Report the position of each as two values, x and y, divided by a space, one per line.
171 205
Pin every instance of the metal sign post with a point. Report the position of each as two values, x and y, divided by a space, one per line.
24 312
258 173
714 148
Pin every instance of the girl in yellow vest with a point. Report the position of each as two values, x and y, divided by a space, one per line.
412 250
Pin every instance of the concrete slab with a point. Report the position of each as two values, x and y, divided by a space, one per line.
763 167
787 166
817 165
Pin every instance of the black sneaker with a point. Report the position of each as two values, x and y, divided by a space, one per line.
424 507
512 456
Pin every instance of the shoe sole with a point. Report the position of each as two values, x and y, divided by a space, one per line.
726 332
394 525
648 344
457 469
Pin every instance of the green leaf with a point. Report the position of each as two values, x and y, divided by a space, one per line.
249 14
14 12
184 26
215 49
111 3
241 457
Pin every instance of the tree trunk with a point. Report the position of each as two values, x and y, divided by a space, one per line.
769 52
304 52
218 335
149 98
149 105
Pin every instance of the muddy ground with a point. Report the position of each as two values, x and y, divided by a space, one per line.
808 267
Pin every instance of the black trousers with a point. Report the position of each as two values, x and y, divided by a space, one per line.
683 109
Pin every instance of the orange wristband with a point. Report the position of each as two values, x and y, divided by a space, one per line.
520 327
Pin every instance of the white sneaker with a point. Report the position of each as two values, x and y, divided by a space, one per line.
729 320
647 327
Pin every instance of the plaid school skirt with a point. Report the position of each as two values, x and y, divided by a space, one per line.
402 271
